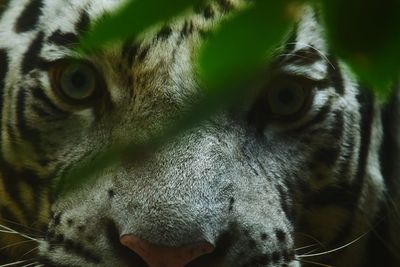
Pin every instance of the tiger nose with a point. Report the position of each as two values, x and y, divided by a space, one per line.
162 256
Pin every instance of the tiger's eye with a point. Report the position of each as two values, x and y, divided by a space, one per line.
75 81
286 98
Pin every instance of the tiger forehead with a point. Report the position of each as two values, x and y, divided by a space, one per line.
85 12
165 41
62 35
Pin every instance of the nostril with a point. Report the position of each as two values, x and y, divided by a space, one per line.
162 256
122 252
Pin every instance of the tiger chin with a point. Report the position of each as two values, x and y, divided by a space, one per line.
302 174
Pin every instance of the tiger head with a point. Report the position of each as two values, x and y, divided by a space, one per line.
262 182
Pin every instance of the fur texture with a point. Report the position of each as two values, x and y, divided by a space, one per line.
258 187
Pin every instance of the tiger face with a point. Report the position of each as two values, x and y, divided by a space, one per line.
255 184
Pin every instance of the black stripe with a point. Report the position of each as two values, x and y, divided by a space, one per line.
29 17
39 94
341 195
187 29
10 182
32 228
83 23
26 132
143 53
129 52
335 75
67 39
164 33
225 5
389 153
11 178
7 215
366 111
208 12
31 59
4 62
4 65
327 155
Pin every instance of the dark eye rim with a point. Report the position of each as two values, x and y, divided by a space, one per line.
55 73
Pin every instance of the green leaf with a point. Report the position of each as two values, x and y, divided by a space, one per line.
132 19
367 35
244 43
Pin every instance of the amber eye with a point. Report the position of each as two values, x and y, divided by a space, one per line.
287 98
75 81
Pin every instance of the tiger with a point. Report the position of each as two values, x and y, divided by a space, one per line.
303 173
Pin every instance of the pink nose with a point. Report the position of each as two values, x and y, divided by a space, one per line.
160 256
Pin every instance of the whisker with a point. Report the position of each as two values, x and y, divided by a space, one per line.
8 230
29 252
22 225
313 239
305 247
15 263
311 251
30 264
12 231
317 50
335 249
16 244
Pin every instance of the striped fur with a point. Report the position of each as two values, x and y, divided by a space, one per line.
264 190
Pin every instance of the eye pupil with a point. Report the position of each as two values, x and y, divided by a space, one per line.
286 96
78 79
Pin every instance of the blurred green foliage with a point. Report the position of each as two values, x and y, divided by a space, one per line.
243 44
366 34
